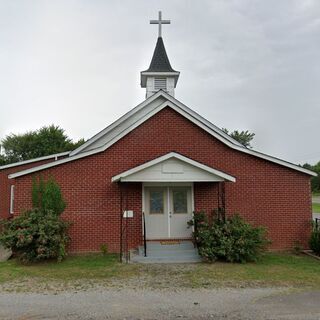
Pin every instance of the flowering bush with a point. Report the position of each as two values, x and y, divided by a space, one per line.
39 233
36 235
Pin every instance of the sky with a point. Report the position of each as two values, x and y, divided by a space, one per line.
246 64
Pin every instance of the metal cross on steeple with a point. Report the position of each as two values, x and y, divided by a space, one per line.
160 22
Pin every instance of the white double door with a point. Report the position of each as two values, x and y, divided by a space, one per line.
167 211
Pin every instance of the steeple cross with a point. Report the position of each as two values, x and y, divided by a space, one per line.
160 22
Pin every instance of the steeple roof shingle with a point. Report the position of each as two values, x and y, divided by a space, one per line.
160 61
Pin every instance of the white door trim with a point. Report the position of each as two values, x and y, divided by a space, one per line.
169 213
167 185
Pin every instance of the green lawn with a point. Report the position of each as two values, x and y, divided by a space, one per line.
316 207
272 270
74 267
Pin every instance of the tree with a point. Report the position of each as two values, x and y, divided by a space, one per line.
33 144
47 196
244 137
315 181
2 160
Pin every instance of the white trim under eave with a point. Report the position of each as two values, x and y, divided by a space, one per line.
178 156
20 163
183 110
51 164
116 123
222 135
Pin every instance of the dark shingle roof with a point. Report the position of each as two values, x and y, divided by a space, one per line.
160 61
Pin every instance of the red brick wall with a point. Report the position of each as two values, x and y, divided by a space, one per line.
264 193
5 184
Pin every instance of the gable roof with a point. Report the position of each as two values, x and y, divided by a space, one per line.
211 173
20 163
160 61
141 113
144 111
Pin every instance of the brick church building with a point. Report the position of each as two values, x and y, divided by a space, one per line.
144 175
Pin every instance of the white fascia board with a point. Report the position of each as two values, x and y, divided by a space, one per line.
116 123
169 181
232 143
20 163
50 164
170 155
183 110
201 119
213 132
144 75
159 73
142 105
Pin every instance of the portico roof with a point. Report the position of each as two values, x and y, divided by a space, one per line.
173 167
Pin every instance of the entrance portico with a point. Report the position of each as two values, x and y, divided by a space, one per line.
168 193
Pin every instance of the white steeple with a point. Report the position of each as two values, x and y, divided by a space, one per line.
160 75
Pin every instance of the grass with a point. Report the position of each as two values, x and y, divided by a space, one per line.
74 267
272 270
316 207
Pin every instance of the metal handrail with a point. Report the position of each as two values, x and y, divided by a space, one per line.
144 234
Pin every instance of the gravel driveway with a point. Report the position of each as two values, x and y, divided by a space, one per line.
267 303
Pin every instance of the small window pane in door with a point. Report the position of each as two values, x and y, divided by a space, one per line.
180 200
156 201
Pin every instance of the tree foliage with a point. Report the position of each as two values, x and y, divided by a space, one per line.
47 196
314 241
315 181
2 160
33 144
244 137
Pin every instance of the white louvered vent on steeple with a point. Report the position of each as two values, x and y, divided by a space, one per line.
160 83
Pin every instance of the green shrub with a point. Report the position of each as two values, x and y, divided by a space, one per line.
36 235
228 239
39 233
47 196
104 249
314 241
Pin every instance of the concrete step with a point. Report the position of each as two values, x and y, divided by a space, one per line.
166 250
170 253
5 254
161 252
173 259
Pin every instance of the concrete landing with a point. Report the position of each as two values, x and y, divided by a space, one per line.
166 252
5 254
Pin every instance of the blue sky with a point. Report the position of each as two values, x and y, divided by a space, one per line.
244 65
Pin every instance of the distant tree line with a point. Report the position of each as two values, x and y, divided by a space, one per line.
38 143
315 181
